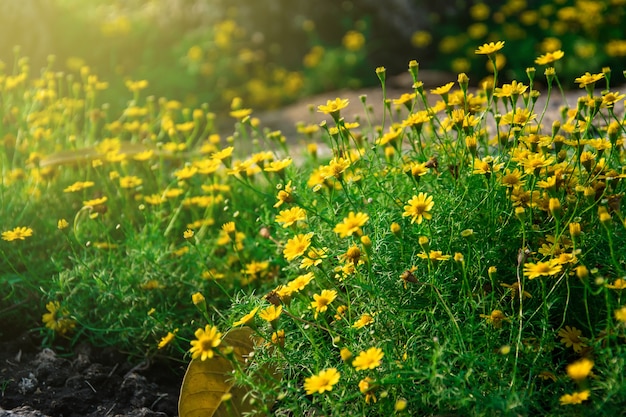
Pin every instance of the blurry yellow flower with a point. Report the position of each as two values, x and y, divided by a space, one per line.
444 89
579 370
495 318
130 181
297 245
535 270
300 282
278 338
365 320
240 113
353 40
588 79
618 284
351 224
620 314
366 388
321 382
18 233
489 48
167 339
368 359
95 202
571 336
135 86
314 257
271 313
185 173
323 300
335 168
575 398
56 318
421 39
62 224
78 186
197 298
434 255
333 106
290 216
247 318
549 57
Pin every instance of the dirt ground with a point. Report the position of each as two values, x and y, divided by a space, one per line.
83 382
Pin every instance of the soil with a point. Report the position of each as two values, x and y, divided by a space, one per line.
83 381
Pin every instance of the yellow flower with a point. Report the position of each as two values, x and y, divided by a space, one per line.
197 298
345 354
549 58
351 224
62 224
571 336
95 202
241 113
271 313
321 382
534 270
575 398
418 208
167 339
335 168
323 300
434 255
369 359
284 195
188 234
300 282
579 370
185 173
278 166
333 107
588 79
290 216
609 98
314 257
206 340
364 320
78 186
278 338
367 389
55 318
297 245
620 314
443 90
489 48
130 181
495 318
247 318
353 40
18 233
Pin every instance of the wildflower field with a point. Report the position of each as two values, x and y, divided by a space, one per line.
460 258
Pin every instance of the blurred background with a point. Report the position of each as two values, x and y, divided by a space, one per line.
272 52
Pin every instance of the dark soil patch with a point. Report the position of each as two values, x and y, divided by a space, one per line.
83 381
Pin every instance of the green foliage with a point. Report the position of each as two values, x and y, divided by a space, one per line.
460 257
